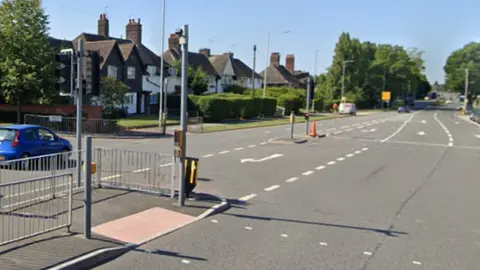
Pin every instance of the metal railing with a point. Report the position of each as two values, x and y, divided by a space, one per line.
134 170
38 166
35 206
69 124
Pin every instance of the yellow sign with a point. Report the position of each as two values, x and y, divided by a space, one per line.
2 158
386 96
93 168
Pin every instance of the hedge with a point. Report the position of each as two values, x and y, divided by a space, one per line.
291 102
219 107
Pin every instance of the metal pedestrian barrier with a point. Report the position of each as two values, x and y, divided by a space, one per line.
35 206
134 170
68 124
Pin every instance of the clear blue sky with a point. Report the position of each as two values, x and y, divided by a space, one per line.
436 27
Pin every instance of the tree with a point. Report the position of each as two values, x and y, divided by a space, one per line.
455 67
113 93
372 68
197 79
27 63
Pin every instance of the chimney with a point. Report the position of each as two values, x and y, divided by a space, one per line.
134 31
275 59
205 51
290 63
174 43
230 54
103 26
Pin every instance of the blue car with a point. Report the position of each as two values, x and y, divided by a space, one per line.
23 141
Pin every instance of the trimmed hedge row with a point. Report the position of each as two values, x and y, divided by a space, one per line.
219 107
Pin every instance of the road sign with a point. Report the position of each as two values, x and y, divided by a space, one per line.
191 174
386 96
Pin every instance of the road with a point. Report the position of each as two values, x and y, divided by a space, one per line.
398 194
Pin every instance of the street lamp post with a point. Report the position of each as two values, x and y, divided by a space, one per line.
466 90
253 70
162 89
345 62
315 78
266 63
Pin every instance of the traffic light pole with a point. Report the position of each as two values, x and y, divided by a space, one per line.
183 115
79 94
308 105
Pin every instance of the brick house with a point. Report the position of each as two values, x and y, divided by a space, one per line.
279 75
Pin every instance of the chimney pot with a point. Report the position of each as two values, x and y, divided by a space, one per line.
290 63
205 51
103 26
134 31
275 59
139 21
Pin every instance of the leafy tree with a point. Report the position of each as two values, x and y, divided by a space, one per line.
113 93
197 79
459 60
27 63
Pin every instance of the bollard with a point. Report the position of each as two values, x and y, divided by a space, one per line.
292 124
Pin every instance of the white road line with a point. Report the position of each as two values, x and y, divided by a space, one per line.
263 143
338 132
307 173
444 128
357 152
417 263
247 197
400 128
167 164
340 159
111 177
478 136
141 170
349 129
214 221
284 235
248 228
209 155
367 253
251 146
290 180
350 155
320 168
323 244
450 144
331 129
272 188
239 148
331 163
359 127
185 261
364 149
224 152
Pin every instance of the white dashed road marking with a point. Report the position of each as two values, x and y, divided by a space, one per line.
307 173
290 180
272 188
349 155
320 168
247 197
214 221
478 136
331 163
251 146
323 244
359 127
248 228
340 159
209 155
185 261
417 263
357 152
284 235
141 170
367 253
239 148
364 149
224 152
263 143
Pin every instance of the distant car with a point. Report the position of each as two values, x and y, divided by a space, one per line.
23 141
347 108
403 109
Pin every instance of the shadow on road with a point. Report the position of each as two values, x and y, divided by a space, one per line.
383 231
170 254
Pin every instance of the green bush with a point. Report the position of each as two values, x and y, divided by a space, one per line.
291 102
268 106
236 89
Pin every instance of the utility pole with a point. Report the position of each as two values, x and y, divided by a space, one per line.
466 91
183 107
308 104
344 66
315 78
266 68
253 70
79 110
160 101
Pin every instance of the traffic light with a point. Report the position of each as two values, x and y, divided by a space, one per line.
63 73
312 89
93 73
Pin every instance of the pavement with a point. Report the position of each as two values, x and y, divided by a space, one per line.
383 191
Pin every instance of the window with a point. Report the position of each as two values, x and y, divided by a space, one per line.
154 98
46 135
130 99
112 71
131 73
30 135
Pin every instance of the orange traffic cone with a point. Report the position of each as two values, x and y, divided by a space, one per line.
313 131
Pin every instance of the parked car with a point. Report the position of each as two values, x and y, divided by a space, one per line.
475 116
403 109
347 108
23 141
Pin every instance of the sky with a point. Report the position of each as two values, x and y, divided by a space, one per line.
435 27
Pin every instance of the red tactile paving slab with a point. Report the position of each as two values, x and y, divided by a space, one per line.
142 226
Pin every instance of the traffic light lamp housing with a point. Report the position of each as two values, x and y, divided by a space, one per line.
307 116
312 89
63 72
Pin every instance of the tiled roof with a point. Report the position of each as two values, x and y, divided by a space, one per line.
104 48
195 60
242 70
60 43
219 62
279 75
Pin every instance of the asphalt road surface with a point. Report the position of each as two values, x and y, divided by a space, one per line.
385 191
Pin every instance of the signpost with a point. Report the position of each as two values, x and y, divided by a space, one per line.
386 97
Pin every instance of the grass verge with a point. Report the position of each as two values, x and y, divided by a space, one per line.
261 123
143 121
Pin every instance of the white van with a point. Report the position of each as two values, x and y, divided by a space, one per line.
347 108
